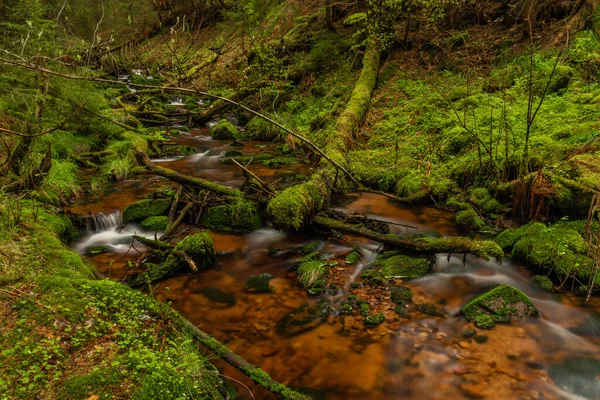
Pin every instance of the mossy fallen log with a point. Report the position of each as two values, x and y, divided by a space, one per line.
185 179
348 122
294 207
485 249
256 374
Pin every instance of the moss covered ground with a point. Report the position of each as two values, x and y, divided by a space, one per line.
67 335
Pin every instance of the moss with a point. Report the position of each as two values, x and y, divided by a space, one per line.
95 250
293 207
144 209
501 304
259 284
280 162
310 272
374 319
484 321
200 247
225 130
562 77
346 307
543 282
493 206
364 308
303 318
401 294
239 217
468 219
397 265
261 129
555 247
217 295
155 224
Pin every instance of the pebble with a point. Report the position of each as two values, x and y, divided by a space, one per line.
460 369
472 391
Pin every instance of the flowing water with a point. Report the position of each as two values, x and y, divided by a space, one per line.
554 356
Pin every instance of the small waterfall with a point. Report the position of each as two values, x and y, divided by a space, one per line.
176 101
103 221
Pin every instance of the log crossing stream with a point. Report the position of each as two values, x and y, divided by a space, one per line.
554 356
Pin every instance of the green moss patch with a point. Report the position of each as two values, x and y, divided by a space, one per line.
401 294
144 209
155 224
501 304
543 282
261 129
393 264
95 250
225 130
239 217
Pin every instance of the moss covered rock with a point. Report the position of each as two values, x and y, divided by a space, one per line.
401 294
543 282
259 283
261 129
501 304
393 264
200 247
155 224
293 207
224 130
468 219
558 247
144 209
374 319
239 217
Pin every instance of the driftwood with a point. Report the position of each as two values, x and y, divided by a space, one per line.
172 226
452 244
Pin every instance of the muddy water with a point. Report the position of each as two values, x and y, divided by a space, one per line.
555 356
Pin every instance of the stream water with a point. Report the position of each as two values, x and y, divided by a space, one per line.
554 356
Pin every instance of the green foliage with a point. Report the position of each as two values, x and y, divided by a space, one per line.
585 54
310 271
469 219
353 257
501 304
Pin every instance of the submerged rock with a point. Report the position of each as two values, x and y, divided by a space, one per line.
543 282
394 264
303 318
217 296
144 209
401 294
259 283
95 250
501 304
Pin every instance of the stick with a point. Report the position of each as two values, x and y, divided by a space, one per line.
175 224
265 186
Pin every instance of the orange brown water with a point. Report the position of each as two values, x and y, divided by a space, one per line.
422 357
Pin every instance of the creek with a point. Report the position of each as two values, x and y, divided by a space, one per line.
553 356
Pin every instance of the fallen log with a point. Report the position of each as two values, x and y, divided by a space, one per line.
485 249
294 207
256 374
183 179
